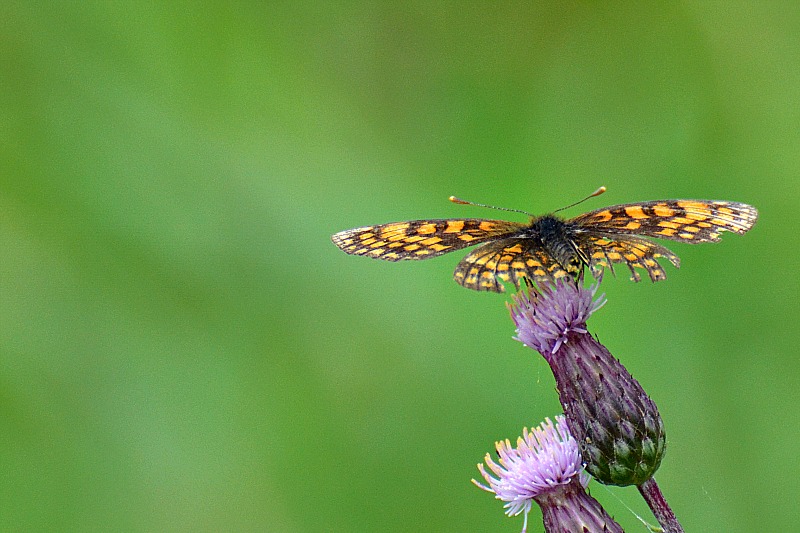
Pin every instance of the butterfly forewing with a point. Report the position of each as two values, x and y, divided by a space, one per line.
691 221
421 239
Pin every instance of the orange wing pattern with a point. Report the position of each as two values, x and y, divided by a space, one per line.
635 252
549 247
421 239
690 221
507 260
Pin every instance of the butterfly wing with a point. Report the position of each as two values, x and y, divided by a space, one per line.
690 221
421 239
635 252
511 259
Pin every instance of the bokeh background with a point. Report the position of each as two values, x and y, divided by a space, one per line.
183 349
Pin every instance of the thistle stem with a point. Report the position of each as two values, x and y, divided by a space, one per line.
661 509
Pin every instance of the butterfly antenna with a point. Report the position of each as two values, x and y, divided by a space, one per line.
464 202
598 192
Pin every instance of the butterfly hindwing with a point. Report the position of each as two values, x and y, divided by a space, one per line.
635 252
511 259
421 239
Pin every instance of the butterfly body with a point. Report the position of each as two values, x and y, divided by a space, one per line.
553 234
549 247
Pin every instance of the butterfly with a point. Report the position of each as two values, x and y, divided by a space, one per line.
549 247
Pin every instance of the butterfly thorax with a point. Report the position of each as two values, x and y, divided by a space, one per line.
553 234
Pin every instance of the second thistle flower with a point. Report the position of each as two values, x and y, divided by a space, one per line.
618 427
545 467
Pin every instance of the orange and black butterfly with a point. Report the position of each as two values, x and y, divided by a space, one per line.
549 247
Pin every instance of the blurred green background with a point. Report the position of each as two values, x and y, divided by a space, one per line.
183 349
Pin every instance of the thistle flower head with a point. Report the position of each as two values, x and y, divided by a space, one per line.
545 317
545 457
545 467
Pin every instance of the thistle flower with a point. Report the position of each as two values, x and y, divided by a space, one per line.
618 427
545 467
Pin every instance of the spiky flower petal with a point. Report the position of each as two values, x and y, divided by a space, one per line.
546 316
545 467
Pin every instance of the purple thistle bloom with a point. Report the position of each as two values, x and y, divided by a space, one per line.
546 318
545 467
617 426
